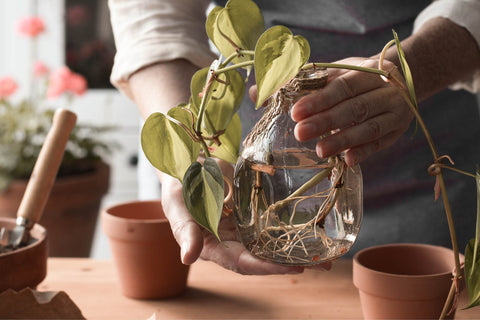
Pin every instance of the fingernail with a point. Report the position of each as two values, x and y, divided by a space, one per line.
184 249
320 152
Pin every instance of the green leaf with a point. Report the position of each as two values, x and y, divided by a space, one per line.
222 102
472 257
167 145
237 26
472 273
279 56
203 194
230 141
406 70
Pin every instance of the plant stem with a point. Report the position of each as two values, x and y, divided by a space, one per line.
439 176
235 66
311 183
443 189
347 66
236 54
449 300
301 190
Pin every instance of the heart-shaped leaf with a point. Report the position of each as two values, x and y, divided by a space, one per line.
279 56
167 145
203 194
472 272
237 26
230 141
223 100
472 257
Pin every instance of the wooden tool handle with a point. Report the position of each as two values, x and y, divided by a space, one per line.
46 167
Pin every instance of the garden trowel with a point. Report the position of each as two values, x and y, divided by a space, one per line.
41 181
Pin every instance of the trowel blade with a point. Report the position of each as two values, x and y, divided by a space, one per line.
13 239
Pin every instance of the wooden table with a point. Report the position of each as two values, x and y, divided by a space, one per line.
215 293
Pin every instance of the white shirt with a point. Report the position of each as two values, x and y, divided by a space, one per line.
148 32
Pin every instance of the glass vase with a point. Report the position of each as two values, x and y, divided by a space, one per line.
292 207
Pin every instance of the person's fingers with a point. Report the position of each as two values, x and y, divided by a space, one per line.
232 255
185 230
252 93
356 155
344 87
364 108
356 112
325 266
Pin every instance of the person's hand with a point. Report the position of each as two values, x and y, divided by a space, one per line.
196 242
361 113
369 113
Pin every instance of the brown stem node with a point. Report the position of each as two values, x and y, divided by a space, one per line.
435 168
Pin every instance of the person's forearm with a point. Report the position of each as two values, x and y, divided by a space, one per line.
439 54
159 87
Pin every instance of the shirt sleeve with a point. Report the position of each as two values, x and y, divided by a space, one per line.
465 13
152 31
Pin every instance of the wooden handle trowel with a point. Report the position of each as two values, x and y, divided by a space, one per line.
41 181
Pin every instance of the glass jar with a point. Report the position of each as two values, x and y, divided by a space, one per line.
292 207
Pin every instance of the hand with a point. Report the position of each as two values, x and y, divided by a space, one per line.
197 242
366 113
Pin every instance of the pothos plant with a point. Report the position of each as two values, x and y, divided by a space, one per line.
209 124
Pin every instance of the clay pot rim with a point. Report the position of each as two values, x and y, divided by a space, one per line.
357 263
101 168
115 218
38 232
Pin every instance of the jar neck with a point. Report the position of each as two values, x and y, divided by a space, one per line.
305 82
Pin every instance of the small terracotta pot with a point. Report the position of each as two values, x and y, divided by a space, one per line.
404 281
27 266
145 253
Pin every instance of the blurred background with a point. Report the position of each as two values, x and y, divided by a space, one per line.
77 34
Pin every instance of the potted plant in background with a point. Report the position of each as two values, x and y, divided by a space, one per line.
71 213
208 125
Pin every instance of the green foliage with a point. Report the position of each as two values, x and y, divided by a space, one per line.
222 100
166 143
472 257
203 193
279 56
23 128
230 141
230 30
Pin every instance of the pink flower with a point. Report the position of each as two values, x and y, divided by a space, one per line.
30 26
8 86
64 80
77 84
40 69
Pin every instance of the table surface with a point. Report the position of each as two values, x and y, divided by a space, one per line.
216 293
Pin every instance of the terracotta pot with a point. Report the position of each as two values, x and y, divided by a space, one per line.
145 253
403 281
27 266
71 213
